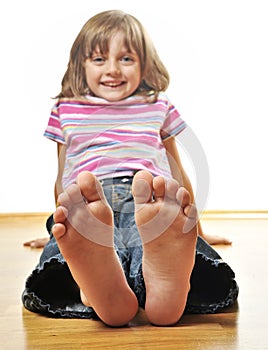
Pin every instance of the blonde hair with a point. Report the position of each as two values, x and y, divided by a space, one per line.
97 32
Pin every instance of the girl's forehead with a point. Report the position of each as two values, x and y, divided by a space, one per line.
102 43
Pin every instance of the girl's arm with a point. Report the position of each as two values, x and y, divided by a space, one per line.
61 150
180 175
41 242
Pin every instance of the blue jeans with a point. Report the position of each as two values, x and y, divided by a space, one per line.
51 290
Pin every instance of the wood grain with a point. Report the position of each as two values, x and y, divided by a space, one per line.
242 327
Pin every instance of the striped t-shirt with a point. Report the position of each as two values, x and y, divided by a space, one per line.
112 139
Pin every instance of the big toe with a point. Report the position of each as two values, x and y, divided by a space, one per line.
142 187
90 187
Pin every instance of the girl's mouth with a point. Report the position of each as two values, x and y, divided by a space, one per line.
112 84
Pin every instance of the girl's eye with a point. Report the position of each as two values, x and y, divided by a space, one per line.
98 60
127 59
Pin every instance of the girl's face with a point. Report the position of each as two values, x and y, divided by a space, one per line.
115 75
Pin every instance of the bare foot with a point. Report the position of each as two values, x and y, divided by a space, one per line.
94 266
167 225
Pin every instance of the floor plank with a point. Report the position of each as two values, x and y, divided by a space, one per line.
242 327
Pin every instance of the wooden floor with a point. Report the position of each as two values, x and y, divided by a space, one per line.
244 326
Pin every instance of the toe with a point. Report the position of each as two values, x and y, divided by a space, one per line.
183 197
159 186
191 214
58 231
60 215
90 187
190 211
70 197
142 187
172 188
64 199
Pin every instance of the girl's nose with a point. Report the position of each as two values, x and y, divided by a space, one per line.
113 67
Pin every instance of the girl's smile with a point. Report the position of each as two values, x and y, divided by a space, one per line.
114 75
112 84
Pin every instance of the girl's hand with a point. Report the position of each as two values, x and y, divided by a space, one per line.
214 239
36 243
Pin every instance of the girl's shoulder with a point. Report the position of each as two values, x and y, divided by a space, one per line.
162 97
69 105
164 101
70 101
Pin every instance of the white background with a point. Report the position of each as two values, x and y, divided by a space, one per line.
216 53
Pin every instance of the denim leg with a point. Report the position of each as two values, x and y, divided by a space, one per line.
135 277
213 285
51 290
127 240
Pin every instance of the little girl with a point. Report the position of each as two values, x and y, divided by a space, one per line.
125 233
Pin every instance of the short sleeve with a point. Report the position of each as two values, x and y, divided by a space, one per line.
54 129
173 123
